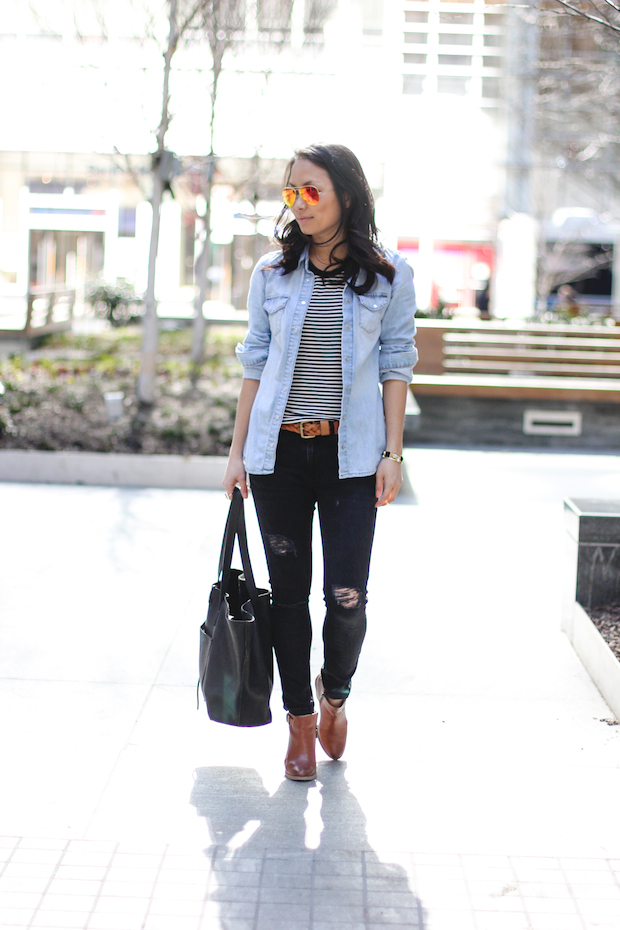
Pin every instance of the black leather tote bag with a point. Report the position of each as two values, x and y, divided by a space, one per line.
236 658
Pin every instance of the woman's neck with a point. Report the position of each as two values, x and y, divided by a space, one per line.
322 255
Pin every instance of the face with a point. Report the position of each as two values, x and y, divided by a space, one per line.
322 220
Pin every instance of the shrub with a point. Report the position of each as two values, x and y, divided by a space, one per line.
119 304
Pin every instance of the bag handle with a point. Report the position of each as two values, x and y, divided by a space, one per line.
230 532
235 529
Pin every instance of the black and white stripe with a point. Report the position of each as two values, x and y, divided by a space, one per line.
316 391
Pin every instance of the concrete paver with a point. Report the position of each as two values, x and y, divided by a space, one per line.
480 780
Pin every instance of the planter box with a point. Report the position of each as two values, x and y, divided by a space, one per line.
592 579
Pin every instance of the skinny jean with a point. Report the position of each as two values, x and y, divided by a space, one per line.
306 475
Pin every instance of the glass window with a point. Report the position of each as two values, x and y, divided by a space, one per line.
274 14
411 38
416 17
454 38
127 221
457 19
188 239
491 61
452 85
493 19
463 60
372 16
45 185
413 83
493 41
411 58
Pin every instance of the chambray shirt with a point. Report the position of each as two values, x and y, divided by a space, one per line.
377 345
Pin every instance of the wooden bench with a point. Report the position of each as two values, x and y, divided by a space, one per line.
48 310
529 361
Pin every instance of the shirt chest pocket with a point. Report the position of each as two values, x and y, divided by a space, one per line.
372 308
274 307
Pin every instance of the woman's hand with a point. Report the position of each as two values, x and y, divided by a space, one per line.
235 475
388 481
235 470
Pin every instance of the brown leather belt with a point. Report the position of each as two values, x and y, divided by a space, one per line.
308 429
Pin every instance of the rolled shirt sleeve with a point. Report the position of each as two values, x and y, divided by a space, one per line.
254 350
398 353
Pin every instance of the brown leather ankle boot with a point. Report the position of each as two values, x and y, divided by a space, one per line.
332 730
300 762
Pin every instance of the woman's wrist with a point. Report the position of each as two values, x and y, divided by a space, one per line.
394 443
392 455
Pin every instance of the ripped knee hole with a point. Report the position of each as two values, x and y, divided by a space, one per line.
350 598
281 545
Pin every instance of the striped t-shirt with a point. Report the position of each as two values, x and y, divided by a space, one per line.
316 391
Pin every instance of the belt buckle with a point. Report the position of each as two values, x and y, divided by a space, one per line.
301 429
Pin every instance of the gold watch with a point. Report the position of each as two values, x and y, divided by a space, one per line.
392 455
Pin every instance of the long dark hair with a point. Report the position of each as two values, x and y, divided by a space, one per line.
357 222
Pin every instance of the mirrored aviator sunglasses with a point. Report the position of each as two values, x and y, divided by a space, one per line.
309 194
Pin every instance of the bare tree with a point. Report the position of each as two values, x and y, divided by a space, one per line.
182 19
578 102
220 22
223 22
577 129
605 13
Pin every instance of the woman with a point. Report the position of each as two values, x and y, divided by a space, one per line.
330 316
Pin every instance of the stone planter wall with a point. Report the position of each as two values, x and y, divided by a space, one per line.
97 468
592 579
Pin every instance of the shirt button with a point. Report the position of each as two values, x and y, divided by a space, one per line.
346 358
347 389
303 303
294 329
348 300
347 326
290 358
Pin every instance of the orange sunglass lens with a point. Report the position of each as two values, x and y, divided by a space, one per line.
310 195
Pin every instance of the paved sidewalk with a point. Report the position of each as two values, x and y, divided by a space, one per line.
479 788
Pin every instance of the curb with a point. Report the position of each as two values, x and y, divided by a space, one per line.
191 472
100 468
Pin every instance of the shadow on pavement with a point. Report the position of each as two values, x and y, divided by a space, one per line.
263 873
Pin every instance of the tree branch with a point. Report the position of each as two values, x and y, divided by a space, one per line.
575 11
131 171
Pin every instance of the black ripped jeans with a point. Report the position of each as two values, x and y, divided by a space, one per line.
306 473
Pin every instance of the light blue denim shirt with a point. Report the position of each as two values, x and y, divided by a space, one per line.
377 345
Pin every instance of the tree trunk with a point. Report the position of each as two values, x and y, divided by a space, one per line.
218 48
150 335
202 280
150 323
